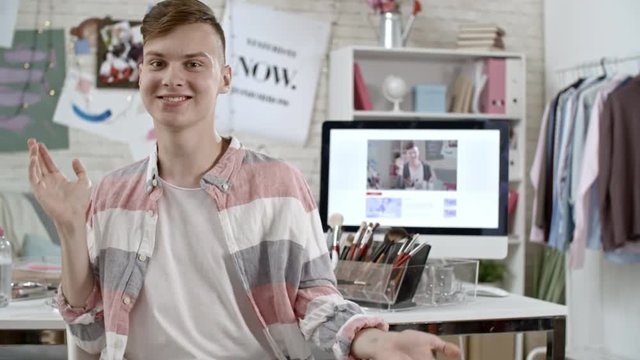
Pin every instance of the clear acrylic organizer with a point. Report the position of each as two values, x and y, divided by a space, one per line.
388 287
446 282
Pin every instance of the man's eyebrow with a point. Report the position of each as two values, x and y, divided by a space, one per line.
154 53
197 54
186 56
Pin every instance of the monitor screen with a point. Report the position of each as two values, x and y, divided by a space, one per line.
445 179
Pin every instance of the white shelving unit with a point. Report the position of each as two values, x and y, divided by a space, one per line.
435 66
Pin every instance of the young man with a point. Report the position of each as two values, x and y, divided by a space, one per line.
417 174
205 249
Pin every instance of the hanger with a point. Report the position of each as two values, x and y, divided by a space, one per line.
604 69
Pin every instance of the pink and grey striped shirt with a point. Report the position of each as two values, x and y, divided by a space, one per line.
274 237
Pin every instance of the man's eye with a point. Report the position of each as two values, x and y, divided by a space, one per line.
194 64
155 63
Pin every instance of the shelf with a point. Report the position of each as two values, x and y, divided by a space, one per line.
515 179
390 115
407 53
418 66
514 239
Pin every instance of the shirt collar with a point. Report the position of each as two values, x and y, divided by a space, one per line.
219 174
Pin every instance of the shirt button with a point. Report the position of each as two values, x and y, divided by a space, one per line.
225 186
126 300
154 182
142 257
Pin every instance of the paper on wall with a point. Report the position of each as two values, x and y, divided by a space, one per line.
276 59
8 16
117 114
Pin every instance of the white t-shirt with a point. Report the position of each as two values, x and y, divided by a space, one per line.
187 308
417 175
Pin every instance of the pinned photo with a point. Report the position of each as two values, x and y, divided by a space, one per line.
119 53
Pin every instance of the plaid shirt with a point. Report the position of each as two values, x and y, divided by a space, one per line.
273 234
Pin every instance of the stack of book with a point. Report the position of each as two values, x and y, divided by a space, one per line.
480 37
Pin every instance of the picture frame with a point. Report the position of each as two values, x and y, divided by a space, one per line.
119 53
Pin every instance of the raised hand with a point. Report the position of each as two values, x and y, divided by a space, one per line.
63 200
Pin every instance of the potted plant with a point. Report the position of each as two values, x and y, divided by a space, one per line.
491 272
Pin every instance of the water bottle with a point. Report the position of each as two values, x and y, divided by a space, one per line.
5 269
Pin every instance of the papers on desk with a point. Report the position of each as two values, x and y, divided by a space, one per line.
45 271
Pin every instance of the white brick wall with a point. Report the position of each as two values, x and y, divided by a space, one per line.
436 26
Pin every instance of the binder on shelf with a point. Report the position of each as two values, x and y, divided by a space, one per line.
361 99
492 100
514 78
512 202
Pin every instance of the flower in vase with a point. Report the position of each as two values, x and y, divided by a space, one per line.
381 6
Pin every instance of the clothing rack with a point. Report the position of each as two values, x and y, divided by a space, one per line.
599 63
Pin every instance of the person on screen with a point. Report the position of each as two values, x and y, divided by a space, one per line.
416 173
397 165
205 249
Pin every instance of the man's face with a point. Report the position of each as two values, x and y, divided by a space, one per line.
182 74
413 153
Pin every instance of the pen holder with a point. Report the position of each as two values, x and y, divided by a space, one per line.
446 282
378 285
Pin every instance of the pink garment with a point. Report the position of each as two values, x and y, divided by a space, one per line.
537 233
588 176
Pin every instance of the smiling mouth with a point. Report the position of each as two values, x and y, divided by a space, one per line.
173 99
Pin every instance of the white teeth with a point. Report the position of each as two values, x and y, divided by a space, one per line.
174 99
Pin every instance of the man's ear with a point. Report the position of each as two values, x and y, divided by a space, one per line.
226 80
139 71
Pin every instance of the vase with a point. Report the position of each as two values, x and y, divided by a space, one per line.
390 30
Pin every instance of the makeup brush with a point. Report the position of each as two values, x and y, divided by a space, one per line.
408 256
347 246
362 242
391 236
405 250
356 240
335 221
367 241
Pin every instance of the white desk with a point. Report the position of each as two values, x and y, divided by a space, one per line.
30 315
485 316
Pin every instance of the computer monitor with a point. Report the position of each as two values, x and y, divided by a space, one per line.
447 180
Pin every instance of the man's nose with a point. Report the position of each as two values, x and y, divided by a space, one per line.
173 76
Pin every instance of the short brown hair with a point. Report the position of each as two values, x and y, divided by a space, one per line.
169 14
409 145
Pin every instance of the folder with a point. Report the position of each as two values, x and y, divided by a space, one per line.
361 99
512 202
514 87
492 100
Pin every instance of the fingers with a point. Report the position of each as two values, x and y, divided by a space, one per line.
80 171
34 177
34 160
48 163
37 168
446 348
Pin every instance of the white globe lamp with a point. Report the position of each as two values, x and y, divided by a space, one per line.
394 89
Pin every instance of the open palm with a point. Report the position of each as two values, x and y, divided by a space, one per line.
63 200
416 345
